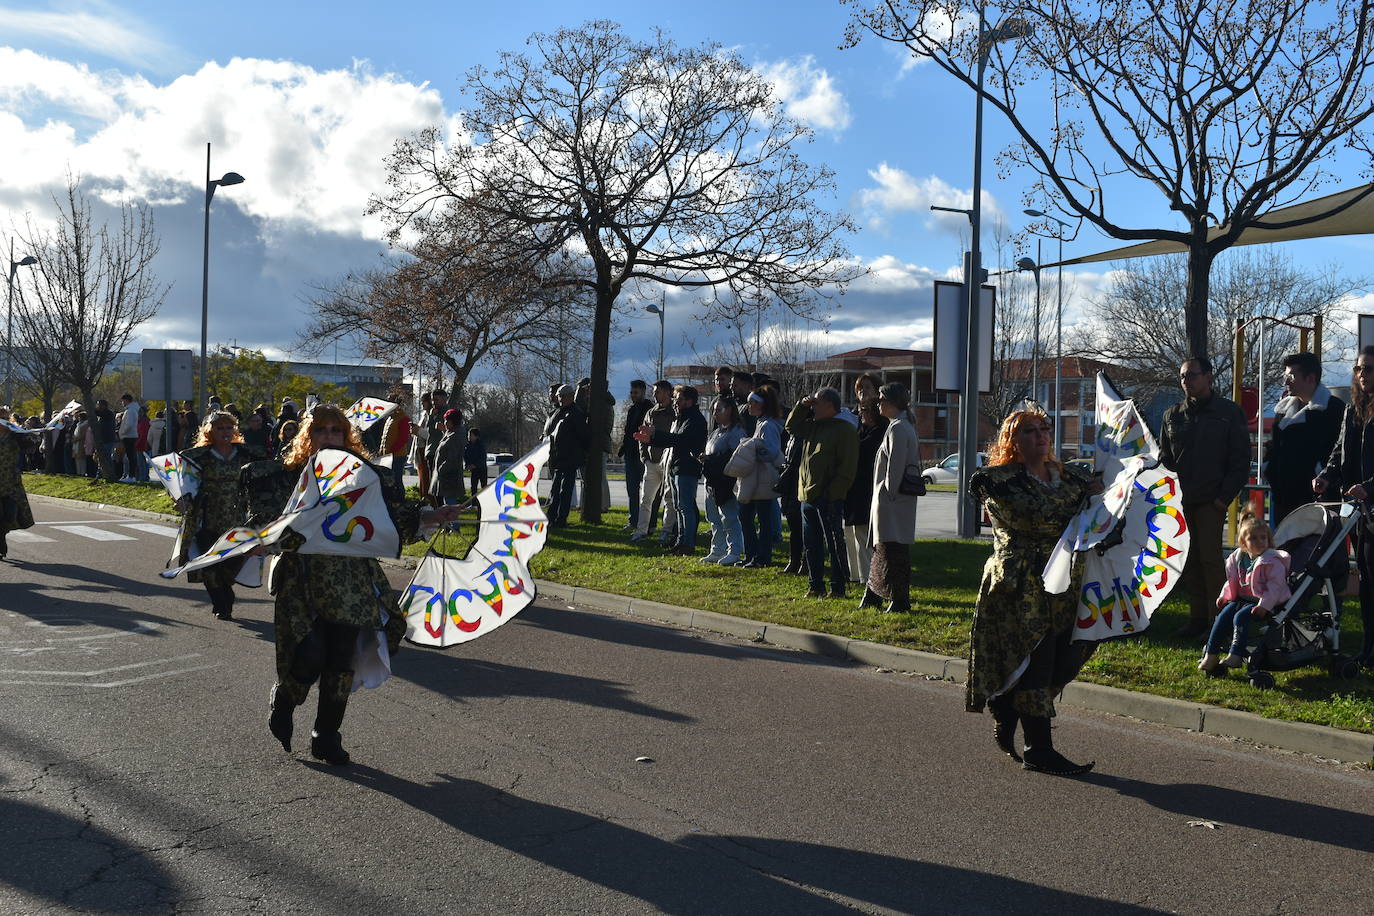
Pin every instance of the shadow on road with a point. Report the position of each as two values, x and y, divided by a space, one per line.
700 873
38 599
1281 816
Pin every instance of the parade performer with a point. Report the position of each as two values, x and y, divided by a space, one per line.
14 502
220 454
324 602
1021 649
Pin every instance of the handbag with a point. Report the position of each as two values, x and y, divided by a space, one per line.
913 483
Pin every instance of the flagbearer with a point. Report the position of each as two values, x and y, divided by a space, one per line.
221 455
324 602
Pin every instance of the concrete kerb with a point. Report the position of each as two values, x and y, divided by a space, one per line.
1303 737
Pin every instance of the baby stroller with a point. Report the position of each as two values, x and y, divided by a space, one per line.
1306 630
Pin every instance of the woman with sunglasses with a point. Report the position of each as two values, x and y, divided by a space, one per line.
324 602
219 505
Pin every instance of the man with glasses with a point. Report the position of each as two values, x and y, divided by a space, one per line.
1307 422
1206 441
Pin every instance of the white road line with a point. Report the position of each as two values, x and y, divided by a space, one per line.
164 530
83 521
95 534
27 537
123 683
158 661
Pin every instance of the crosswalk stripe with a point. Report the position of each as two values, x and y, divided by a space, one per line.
28 537
95 534
164 530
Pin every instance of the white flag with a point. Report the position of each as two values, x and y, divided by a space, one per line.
180 476
366 412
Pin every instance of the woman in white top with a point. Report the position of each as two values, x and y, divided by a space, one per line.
892 516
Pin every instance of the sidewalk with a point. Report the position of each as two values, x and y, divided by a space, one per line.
1318 740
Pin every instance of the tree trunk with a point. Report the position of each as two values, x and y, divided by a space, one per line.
599 412
1200 259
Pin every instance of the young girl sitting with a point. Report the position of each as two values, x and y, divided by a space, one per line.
1256 583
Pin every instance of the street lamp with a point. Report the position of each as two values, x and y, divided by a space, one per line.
230 178
973 282
1058 326
661 311
26 261
1034 268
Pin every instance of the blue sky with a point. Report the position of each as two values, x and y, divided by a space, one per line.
304 99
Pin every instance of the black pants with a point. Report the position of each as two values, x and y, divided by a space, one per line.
1364 561
479 479
791 510
325 655
1054 662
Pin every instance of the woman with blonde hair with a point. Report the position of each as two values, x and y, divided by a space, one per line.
324 603
1021 652
219 505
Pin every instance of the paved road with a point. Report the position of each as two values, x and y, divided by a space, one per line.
137 775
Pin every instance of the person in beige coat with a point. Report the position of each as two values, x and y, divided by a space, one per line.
892 516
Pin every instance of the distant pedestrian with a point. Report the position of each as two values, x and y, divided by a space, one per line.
891 528
569 441
475 457
829 457
629 451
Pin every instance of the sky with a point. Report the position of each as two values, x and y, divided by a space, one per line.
305 99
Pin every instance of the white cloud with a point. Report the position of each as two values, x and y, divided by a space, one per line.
96 26
808 92
898 191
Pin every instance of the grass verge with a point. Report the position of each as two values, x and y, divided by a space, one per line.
945 575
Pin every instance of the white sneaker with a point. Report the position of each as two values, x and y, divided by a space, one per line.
729 559
711 558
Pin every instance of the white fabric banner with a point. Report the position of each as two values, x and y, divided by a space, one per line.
180 476
366 412
68 411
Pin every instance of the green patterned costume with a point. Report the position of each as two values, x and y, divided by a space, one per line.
219 505
1015 616
14 502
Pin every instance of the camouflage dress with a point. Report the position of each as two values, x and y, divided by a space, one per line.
14 502
1015 616
219 505
346 590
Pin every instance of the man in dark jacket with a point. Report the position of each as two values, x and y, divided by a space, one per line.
655 489
1306 425
106 432
569 440
829 461
629 448
1205 440
685 442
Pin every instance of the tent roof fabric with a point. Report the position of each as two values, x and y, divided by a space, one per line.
1356 219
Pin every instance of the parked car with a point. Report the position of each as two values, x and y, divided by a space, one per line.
498 462
1084 463
947 471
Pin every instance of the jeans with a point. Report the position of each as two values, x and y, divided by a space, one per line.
653 481
685 498
1235 615
634 476
727 540
823 532
756 522
560 500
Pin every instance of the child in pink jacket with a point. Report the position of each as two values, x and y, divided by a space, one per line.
1256 583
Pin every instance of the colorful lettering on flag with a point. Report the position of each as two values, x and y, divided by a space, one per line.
366 412
179 476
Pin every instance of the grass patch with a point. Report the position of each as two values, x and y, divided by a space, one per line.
945 575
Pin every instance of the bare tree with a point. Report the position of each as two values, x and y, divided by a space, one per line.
651 161
1136 324
40 363
1228 110
92 287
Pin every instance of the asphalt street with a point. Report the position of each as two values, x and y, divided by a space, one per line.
137 775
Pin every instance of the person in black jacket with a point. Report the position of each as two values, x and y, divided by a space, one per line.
1306 425
629 448
686 441
1350 473
570 439
475 457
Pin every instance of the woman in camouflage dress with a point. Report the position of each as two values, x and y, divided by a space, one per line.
14 502
219 505
1021 649
323 603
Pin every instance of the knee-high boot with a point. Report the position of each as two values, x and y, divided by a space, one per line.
1004 717
325 741
281 722
1040 754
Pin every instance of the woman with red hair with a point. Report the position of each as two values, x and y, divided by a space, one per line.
1021 652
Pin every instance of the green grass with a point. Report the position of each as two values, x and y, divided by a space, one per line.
945 577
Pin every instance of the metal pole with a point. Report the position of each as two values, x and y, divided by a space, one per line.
205 289
1059 354
1259 412
968 397
662 323
9 332
1035 342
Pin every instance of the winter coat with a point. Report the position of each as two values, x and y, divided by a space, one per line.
634 419
892 513
685 442
1304 435
661 419
859 500
1208 444
830 454
571 438
1265 579
447 469
765 447
1352 459
719 449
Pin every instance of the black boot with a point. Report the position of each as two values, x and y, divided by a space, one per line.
281 722
325 741
871 599
1004 717
1040 755
898 607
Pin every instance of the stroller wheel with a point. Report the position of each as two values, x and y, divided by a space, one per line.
1262 680
1345 668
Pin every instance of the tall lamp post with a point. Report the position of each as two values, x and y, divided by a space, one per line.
1058 324
661 311
26 261
230 178
1034 268
973 283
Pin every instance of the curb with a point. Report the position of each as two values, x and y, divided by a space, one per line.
103 507
1303 737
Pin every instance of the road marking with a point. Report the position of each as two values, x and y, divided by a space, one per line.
124 683
83 521
95 534
26 537
164 530
97 673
